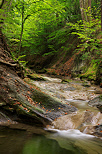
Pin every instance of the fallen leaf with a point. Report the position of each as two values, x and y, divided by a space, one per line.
28 92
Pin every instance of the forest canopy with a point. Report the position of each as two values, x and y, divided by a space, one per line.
45 26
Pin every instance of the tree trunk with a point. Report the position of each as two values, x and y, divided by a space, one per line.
22 27
82 9
101 15
1 4
84 5
89 5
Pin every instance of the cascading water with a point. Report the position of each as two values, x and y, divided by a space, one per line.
72 131
69 134
77 141
75 94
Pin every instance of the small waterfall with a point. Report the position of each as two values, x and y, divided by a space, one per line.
81 120
73 139
97 119
85 130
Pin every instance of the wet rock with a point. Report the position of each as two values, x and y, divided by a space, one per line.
69 89
52 106
98 130
86 84
84 121
65 81
98 91
97 102
35 77
60 111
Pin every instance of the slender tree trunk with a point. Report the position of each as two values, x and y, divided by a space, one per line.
1 4
22 27
89 5
84 4
101 15
85 8
82 9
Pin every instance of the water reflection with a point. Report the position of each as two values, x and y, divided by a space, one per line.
62 142
77 141
42 145
11 141
21 142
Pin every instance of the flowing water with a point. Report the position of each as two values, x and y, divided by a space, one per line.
68 135
72 130
77 142
59 142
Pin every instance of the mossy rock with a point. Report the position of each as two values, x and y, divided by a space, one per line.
42 70
90 73
35 77
86 84
100 97
91 77
97 102
98 130
65 81
53 106
99 75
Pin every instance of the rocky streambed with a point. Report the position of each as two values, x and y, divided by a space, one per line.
86 99
70 113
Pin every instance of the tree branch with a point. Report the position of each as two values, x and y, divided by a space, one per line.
2 4
7 63
26 18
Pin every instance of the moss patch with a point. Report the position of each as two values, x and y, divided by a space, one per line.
100 97
35 77
90 74
99 74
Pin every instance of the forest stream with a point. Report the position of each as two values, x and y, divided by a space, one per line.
55 112
68 134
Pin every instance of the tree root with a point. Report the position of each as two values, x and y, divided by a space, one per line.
7 63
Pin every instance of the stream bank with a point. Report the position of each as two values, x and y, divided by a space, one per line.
21 101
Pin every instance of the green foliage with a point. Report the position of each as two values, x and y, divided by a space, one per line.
100 96
19 59
89 35
43 22
48 27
